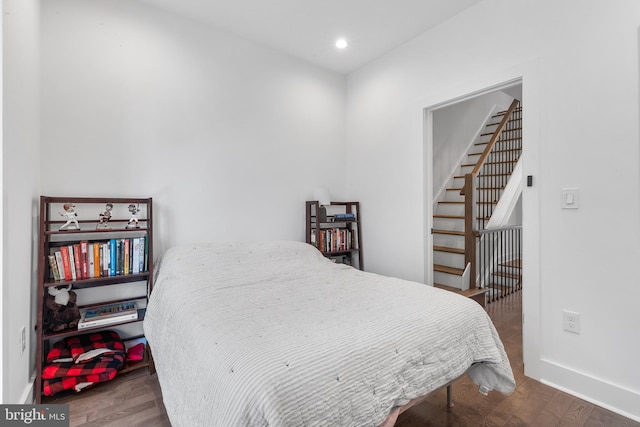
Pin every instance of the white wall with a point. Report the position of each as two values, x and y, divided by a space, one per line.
121 99
579 63
20 178
228 137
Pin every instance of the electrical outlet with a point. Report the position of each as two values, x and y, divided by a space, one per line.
571 321
23 340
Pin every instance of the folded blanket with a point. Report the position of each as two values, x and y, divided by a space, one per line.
56 385
76 348
104 364
82 360
81 344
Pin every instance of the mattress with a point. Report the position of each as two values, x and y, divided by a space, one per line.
275 334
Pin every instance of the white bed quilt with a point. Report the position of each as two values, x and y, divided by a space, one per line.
274 334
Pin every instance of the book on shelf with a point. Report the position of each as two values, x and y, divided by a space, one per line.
90 261
106 258
97 272
344 217
106 319
66 263
135 257
58 257
111 310
112 258
72 263
125 256
54 267
84 259
335 239
76 261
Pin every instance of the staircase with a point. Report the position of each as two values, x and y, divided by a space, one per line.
505 279
503 136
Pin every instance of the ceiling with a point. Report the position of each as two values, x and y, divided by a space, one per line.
309 30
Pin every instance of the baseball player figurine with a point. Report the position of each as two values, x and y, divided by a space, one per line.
70 213
105 217
133 220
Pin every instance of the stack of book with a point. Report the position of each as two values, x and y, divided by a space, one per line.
340 217
105 258
108 314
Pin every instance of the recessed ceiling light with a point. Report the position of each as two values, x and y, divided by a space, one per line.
341 43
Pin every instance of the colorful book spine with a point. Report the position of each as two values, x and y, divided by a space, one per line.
72 262
54 267
96 260
135 257
119 247
58 256
66 262
92 323
106 259
111 310
90 260
76 261
125 255
112 257
84 259
145 251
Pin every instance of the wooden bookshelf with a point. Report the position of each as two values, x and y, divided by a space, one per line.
335 230
108 283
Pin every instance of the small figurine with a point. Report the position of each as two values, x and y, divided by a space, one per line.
133 221
105 217
70 213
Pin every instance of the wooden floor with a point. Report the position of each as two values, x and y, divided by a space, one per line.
135 400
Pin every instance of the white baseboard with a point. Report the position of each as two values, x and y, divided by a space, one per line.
610 396
27 397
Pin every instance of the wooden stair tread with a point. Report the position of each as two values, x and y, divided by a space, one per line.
507 274
449 250
446 269
467 293
515 138
449 202
487 174
500 286
453 233
516 263
448 216
510 150
477 188
460 217
501 290
502 113
490 163
506 130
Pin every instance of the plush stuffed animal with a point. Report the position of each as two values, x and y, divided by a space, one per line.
60 309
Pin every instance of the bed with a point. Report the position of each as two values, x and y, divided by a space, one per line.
275 334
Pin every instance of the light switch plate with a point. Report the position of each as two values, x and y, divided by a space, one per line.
570 198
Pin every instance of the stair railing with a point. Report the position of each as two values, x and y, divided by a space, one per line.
500 260
476 203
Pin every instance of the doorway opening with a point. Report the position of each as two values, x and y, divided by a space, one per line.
474 210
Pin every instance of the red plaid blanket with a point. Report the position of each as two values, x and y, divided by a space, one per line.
74 347
69 374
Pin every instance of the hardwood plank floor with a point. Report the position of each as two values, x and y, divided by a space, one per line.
135 399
